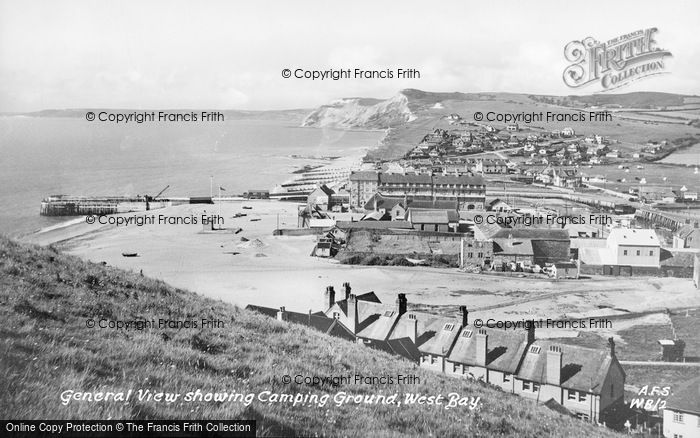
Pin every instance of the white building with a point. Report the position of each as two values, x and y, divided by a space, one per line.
682 412
634 247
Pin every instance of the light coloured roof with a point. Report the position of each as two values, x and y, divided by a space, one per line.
634 237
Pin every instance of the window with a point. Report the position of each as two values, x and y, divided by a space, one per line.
389 313
336 315
506 377
535 387
432 359
572 395
470 255
678 417
624 252
535 349
481 255
412 316
527 386
583 417
639 252
582 396
467 334
651 253
448 327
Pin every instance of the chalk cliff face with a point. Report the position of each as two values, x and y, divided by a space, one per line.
361 113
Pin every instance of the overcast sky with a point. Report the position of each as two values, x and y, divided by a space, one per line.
230 54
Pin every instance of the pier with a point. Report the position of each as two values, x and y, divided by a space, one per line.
67 205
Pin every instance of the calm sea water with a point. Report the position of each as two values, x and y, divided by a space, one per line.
43 156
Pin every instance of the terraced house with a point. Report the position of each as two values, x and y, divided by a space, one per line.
468 191
584 382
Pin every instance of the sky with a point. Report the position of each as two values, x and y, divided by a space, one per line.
230 54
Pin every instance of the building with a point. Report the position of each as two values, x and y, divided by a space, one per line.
468 191
475 253
318 321
634 247
687 237
531 245
363 185
257 194
563 270
588 382
423 219
682 412
321 197
567 178
489 354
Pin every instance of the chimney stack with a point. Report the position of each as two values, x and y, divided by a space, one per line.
347 289
352 313
401 304
482 347
611 342
282 314
329 297
554 365
530 332
413 329
465 315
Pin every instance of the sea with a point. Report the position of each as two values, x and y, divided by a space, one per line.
41 156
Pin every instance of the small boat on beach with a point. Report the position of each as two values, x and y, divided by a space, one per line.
130 254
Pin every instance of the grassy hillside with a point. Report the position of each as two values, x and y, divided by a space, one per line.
46 348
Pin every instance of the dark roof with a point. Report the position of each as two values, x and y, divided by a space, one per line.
532 233
463 179
364 175
397 178
512 247
317 321
372 225
400 347
432 338
387 202
327 190
440 204
504 349
551 250
583 369
686 398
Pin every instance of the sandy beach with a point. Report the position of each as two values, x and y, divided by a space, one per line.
255 267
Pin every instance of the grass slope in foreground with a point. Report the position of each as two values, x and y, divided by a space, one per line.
45 348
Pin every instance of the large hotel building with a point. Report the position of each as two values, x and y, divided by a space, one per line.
469 191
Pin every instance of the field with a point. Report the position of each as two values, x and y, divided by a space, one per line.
47 300
632 129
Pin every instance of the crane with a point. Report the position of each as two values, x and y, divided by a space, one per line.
149 198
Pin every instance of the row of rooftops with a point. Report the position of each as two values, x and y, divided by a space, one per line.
413 334
421 178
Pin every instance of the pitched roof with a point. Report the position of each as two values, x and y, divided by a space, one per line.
365 175
317 321
634 237
688 231
397 178
400 347
504 349
583 369
439 204
421 216
381 327
686 399
532 233
512 247
373 225
432 337
387 202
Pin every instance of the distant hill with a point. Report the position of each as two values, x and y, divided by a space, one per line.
46 299
292 115
642 99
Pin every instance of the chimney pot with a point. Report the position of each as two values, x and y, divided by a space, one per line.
281 314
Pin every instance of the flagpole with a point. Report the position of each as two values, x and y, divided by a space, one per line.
211 185
219 201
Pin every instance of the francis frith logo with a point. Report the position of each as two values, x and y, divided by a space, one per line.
616 62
